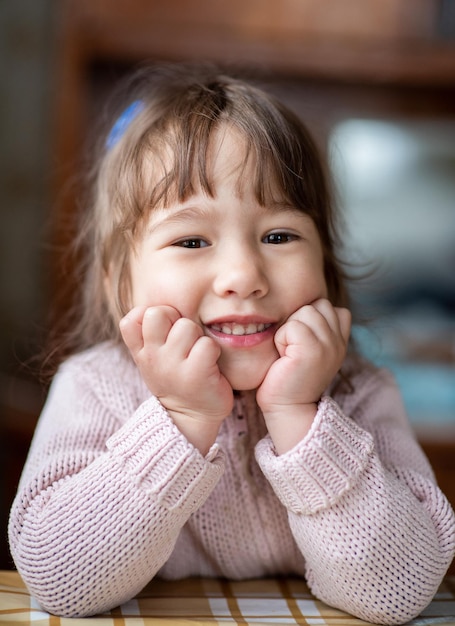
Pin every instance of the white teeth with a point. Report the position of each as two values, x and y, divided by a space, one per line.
239 329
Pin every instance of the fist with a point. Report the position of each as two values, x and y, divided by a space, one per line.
177 362
311 345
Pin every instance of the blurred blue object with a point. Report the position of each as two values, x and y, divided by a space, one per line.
427 387
122 123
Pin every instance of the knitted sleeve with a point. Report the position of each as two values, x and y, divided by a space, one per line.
101 502
376 533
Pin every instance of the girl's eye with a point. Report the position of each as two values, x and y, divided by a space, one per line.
277 238
193 242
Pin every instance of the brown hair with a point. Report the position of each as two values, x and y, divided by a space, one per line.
181 106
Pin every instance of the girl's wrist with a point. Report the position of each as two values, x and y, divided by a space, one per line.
288 425
200 432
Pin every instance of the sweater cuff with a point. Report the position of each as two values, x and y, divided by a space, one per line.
323 466
161 460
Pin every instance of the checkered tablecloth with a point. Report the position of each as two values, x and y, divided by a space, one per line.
210 601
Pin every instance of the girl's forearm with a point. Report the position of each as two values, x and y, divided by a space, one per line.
88 533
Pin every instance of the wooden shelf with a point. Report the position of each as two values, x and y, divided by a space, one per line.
393 41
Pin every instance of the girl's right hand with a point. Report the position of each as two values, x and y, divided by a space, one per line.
178 363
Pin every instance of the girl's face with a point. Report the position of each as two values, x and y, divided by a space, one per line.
237 269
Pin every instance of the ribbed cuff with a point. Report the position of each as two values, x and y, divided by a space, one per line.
324 465
162 461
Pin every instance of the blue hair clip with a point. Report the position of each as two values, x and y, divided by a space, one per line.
122 123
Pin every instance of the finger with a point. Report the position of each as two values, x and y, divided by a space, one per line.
320 321
157 324
338 318
205 350
131 329
328 312
318 318
182 337
345 321
295 332
313 311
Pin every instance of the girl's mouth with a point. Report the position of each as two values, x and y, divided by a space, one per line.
236 335
233 328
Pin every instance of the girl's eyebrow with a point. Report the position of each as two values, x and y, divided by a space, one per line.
191 213
182 215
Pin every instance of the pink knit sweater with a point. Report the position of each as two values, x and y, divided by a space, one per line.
112 495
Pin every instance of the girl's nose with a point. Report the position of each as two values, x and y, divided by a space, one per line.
241 273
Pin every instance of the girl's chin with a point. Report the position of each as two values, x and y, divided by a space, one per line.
248 375
244 385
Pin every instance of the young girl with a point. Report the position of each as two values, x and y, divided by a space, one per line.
215 423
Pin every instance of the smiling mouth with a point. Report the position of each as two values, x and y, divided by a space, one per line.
239 330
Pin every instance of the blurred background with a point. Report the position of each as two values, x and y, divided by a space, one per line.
375 82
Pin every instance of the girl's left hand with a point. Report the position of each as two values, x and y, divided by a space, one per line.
312 346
